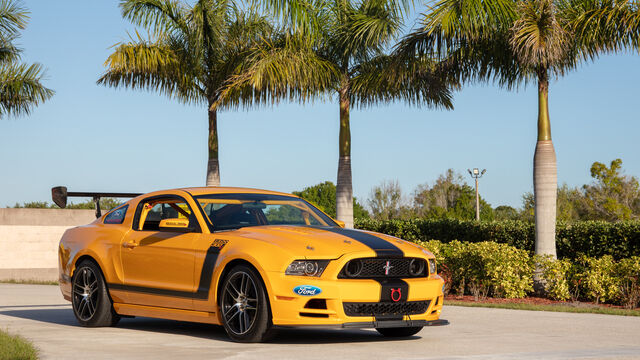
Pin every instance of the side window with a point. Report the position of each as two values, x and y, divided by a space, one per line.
116 216
153 211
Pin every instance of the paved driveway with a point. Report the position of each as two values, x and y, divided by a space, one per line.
40 314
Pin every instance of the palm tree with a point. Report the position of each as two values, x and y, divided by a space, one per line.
514 42
341 44
21 86
190 53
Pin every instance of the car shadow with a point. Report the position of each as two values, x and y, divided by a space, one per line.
63 315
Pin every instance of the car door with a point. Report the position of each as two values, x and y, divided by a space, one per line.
158 261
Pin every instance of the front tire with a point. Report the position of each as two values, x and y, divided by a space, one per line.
90 298
244 306
399 332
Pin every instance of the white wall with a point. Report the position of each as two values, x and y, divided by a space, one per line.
29 241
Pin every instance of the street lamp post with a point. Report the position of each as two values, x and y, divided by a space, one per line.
476 174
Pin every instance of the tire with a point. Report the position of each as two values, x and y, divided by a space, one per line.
399 332
244 306
90 299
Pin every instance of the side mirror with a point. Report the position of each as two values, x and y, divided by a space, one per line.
175 225
340 223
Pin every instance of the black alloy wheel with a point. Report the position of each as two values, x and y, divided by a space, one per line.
399 332
90 299
244 307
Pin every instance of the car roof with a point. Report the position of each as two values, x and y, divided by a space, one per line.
207 190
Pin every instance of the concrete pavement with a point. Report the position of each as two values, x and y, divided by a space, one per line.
39 313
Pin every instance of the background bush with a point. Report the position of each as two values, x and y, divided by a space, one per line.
484 268
585 238
500 270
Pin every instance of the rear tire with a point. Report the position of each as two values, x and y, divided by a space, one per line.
399 332
244 306
90 299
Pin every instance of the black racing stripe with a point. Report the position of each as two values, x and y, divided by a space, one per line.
382 247
203 287
207 272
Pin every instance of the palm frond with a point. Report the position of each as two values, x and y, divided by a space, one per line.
8 51
538 39
13 17
286 68
369 27
156 15
309 17
472 19
21 88
153 65
602 26
417 82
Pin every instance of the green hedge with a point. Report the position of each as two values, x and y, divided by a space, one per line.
586 238
489 268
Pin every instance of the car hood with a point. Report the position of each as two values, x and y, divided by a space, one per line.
330 242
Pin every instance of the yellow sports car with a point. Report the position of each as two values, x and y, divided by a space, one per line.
249 260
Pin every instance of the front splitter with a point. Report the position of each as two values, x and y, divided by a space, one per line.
372 324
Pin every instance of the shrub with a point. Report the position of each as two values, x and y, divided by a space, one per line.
599 280
628 274
483 268
556 277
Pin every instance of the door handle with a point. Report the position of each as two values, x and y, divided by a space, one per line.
129 245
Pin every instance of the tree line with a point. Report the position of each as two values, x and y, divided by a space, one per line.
611 196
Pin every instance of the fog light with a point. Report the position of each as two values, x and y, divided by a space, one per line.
353 268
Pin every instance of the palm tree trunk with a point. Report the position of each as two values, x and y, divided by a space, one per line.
213 167
344 187
545 175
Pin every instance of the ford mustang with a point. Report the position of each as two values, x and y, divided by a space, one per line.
250 260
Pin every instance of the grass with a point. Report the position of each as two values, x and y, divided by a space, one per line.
15 347
541 307
28 282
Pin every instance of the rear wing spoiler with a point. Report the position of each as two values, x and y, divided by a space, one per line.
59 194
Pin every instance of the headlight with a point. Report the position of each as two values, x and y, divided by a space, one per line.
432 266
307 267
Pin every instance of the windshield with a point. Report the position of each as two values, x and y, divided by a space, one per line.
233 211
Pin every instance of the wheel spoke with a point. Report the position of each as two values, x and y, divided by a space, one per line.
237 293
234 307
246 320
78 291
93 285
242 284
90 306
234 314
248 282
83 305
241 321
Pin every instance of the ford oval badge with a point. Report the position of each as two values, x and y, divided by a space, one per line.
307 290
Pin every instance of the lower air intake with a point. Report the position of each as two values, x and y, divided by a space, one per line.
380 309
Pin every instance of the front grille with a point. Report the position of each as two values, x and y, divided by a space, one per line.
382 309
377 268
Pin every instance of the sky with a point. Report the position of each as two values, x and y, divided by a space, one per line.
94 138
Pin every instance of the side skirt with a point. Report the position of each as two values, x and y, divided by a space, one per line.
166 313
